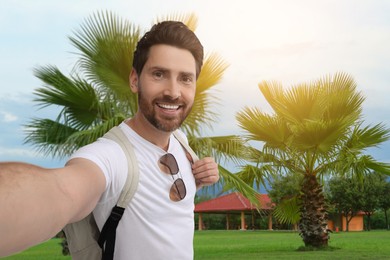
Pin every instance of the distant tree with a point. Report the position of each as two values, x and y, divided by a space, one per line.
372 190
384 203
283 187
351 195
346 196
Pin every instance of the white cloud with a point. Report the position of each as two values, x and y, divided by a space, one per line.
17 152
8 117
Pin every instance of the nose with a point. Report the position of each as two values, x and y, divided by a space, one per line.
172 89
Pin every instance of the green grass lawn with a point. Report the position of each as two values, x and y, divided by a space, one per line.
283 245
52 249
258 245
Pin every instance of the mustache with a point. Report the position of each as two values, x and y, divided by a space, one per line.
170 100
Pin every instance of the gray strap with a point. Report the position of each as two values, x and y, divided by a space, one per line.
183 142
132 179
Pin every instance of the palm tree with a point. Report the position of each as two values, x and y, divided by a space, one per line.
96 96
315 131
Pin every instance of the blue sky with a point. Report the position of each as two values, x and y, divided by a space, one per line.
287 41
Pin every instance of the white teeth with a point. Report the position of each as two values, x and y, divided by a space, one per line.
166 106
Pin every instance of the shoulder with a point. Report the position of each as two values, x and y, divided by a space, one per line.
107 155
101 151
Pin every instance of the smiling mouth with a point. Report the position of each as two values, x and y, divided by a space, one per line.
168 106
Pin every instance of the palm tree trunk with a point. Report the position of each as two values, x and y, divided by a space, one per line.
314 218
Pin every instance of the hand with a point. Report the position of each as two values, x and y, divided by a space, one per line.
205 172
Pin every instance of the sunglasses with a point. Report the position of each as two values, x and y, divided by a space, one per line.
168 165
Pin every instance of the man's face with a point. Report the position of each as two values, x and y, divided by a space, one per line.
166 86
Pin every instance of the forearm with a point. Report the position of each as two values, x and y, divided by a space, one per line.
29 210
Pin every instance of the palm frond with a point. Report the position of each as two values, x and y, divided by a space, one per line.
230 181
340 98
222 148
257 156
351 158
203 114
258 176
319 135
84 137
78 98
272 92
106 44
370 136
49 137
212 71
262 127
360 165
61 90
298 104
287 211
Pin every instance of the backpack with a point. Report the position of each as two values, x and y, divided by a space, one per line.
85 241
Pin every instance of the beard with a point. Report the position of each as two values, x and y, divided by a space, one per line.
162 122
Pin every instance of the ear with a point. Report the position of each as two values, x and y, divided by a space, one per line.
133 79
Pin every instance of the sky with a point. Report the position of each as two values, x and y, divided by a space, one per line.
287 41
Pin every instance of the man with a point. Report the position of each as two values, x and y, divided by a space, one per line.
36 203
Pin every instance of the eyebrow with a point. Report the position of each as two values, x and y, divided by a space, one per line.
167 70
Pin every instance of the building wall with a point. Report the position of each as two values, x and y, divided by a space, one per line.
356 224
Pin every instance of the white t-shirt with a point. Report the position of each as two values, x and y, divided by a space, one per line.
153 226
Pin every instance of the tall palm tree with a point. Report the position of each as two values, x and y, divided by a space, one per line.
315 131
96 96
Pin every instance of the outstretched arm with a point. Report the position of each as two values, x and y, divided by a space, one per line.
36 203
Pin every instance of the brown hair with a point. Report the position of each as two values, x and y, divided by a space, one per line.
171 33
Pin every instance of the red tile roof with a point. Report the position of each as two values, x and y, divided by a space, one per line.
232 202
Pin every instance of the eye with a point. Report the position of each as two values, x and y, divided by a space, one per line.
158 74
187 79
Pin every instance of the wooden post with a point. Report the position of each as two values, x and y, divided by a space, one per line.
295 227
253 221
227 221
200 222
243 225
270 221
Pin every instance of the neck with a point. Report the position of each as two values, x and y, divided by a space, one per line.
150 133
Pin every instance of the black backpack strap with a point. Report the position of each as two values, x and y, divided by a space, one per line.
107 236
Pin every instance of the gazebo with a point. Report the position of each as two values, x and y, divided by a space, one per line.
234 203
